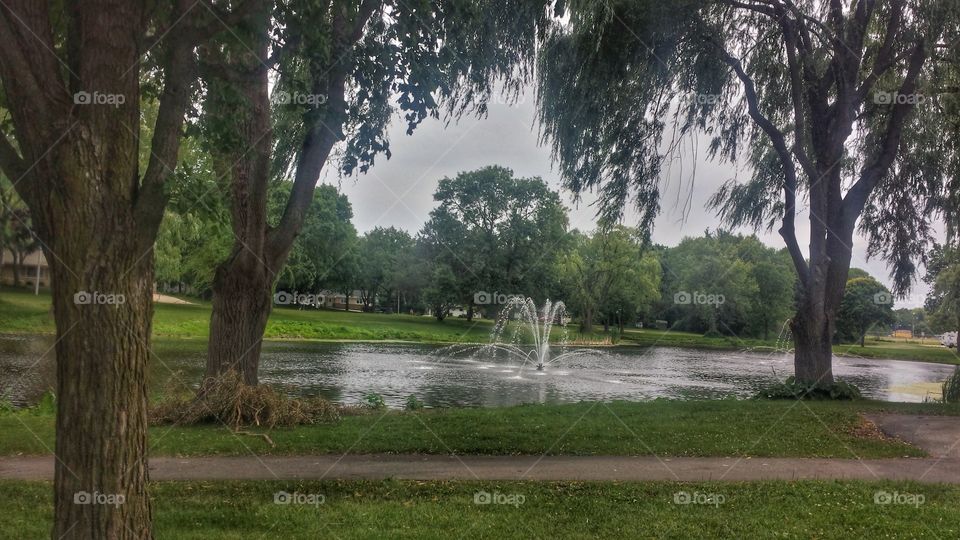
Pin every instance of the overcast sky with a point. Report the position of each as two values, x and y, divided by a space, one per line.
399 192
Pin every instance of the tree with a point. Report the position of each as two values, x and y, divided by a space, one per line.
16 233
441 293
497 233
345 67
194 235
318 259
73 79
866 303
380 252
715 288
837 101
943 276
608 273
773 273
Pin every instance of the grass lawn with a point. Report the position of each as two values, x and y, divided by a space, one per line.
673 428
406 509
23 313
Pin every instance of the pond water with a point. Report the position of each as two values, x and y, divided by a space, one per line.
346 372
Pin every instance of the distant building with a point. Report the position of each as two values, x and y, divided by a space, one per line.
338 300
28 269
903 333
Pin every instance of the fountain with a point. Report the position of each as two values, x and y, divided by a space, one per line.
537 323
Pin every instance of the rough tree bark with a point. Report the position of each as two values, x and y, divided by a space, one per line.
243 286
74 161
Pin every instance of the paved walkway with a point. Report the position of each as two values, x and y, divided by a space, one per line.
424 467
938 435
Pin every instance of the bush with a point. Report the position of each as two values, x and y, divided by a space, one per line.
951 387
47 404
791 389
413 404
374 400
229 400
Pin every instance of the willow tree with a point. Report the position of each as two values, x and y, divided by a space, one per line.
74 75
343 70
833 104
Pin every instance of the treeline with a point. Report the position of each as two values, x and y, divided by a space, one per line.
491 236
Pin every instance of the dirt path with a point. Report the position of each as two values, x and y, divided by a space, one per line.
424 467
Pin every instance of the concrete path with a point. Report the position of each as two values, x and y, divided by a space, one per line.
424 467
938 435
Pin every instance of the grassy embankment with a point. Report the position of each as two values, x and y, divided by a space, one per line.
23 313
669 428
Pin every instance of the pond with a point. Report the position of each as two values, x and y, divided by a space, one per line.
346 372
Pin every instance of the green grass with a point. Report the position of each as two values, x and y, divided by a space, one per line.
670 428
901 350
407 509
22 312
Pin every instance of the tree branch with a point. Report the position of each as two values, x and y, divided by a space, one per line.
787 230
882 159
152 196
320 136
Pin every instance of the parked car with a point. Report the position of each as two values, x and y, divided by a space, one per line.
949 339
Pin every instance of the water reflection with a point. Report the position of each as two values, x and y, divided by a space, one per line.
347 372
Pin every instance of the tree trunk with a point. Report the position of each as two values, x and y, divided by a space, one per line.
243 288
470 312
813 352
242 301
17 261
586 322
102 350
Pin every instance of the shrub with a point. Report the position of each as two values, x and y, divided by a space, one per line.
229 400
374 400
47 404
791 389
951 387
413 404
